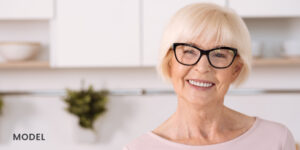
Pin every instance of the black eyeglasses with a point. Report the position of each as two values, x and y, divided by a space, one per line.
219 57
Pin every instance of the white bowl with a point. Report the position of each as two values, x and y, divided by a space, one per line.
19 51
291 48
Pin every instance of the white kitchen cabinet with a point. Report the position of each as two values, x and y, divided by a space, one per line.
26 9
266 8
95 33
156 14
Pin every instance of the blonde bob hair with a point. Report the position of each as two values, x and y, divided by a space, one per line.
206 22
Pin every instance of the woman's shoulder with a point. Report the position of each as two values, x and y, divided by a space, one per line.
272 131
271 126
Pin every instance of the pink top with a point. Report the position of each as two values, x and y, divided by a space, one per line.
263 135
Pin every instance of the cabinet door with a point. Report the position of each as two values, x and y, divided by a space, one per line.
266 8
26 9
95 33
156 14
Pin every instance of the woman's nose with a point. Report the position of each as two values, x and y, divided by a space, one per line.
203 64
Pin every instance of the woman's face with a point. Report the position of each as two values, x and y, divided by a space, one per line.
212 84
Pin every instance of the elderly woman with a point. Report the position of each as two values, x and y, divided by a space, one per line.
206 48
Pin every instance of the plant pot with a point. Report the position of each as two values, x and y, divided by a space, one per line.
85 136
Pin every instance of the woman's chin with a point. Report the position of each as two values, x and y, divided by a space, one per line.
199 98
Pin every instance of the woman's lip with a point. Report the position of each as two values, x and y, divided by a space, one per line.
203 81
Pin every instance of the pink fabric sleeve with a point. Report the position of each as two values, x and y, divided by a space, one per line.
289 143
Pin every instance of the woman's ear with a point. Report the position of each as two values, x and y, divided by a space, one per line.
169 57
170 66
236 70
169 63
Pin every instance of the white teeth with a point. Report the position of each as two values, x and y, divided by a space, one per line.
201 84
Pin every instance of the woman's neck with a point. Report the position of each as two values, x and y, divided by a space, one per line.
199 121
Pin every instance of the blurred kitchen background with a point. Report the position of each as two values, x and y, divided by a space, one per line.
47 46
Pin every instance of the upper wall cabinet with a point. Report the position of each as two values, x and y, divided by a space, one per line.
266 8
95 33
156 14
26 9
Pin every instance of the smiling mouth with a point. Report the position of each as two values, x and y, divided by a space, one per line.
203 84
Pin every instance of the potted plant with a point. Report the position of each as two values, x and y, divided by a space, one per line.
87 105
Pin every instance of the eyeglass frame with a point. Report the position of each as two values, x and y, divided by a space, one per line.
205 52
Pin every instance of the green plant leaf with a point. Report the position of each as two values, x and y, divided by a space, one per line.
87 105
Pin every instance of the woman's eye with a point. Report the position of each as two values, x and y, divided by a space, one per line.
189 52
220 55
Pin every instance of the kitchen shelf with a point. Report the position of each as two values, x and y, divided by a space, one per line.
24 64
256 62
276 61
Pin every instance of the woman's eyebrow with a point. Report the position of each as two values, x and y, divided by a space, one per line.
217 46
